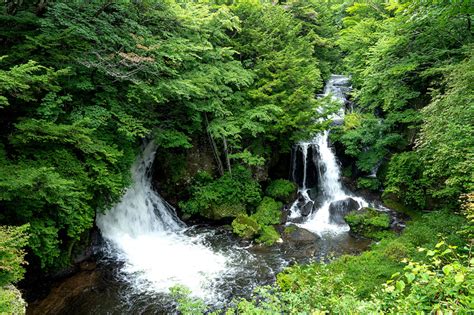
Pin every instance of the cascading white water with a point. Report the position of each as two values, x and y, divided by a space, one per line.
329 178
144 233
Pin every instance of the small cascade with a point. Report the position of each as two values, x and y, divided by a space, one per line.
323 212
143 232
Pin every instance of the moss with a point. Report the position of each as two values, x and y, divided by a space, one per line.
290 229
245 226
282 190
268 235
218 212
268 212
369 223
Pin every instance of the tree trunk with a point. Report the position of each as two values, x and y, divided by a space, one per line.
220 167
226 154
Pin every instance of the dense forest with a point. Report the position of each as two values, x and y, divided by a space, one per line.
224 90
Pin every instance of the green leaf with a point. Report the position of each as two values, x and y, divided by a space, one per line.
400 285
447 269
410 277
459 277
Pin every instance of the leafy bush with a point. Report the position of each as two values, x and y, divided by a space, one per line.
268 235
12 242
232 193
268 212
11 301
245 226
282 190
368 183
405 179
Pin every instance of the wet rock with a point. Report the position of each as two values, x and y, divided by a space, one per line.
307 209
295 234
338 209
65 292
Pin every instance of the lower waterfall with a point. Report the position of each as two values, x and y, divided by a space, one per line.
143 232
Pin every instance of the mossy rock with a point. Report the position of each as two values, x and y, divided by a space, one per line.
369 222
219 212
282 190
245 226
268 212
268 235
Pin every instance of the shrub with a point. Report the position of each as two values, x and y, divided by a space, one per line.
245 226
268 235
238 189
282 190
12 241
268 212
11 301
368 183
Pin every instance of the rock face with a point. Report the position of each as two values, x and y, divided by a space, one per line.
64 292
338 209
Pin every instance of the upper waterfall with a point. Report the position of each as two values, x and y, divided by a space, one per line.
323 204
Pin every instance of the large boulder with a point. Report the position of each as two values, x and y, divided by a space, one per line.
296 234
338 209
307 209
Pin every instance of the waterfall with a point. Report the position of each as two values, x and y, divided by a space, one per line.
324 213
143 232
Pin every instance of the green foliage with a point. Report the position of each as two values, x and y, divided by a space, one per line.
236 191
245 226
282 190
12 254
445 142
441 284
11 301
268 212
405 179
279 50
187 305
78 93
268 235
366 138
411 65
259 224
368 222
368 183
